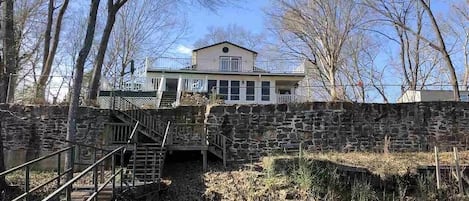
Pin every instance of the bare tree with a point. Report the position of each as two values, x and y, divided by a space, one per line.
8 57
318 30
50 49
383 6
78 79
233 33
112 9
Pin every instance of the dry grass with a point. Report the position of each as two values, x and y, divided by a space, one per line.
386 164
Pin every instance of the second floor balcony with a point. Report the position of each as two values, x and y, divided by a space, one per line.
226 64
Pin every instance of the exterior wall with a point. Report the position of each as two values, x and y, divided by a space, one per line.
257 78
430 95
410 96
27 138
208 59
259 130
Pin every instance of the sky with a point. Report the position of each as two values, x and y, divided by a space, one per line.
249 15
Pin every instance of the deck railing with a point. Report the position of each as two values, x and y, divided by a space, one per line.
283 66
221 142
152 126
290 98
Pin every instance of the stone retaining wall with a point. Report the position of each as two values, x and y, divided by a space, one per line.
259 130
25 133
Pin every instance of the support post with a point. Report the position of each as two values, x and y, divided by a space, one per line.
26 183
58 168
134 164
204 158
113 169
437 170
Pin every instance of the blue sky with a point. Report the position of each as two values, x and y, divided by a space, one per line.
249 15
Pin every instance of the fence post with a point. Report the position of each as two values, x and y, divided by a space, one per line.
437 170
458 170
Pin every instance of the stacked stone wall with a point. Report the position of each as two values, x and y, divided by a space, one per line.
259 130
29 131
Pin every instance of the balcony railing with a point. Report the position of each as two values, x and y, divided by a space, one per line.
222 65
290 98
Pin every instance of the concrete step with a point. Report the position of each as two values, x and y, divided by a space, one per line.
81 195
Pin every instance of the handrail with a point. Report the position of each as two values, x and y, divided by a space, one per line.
138 114
165 135
84 172
77 143
133 133
27 165
33 161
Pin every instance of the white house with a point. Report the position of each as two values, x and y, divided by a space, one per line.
431 95
229 70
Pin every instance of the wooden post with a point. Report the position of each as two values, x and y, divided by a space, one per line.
458 170
204 158
437 170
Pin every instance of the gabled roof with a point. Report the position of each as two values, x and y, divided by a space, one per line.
227 42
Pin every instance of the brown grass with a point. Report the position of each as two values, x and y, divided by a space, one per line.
386 164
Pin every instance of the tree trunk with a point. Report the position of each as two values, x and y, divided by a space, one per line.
443 50
3 184
78 79
9 54
50 55
98 66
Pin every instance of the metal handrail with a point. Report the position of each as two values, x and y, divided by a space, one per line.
86 171
77 143
27 165
133 133
33 161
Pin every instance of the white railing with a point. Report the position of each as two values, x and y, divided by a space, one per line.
289 98
227 65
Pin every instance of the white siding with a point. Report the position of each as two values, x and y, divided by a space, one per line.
208 59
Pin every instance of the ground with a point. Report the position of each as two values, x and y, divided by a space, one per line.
285 177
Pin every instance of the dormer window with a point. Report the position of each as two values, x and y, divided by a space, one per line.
230 64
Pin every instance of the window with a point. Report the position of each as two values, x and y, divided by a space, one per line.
224 89
234 90
250 90
265 90
230 64
212 85
465 98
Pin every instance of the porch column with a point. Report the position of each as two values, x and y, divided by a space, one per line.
206 89
179 91
273 91
159 93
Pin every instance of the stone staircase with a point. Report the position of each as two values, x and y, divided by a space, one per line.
167 99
